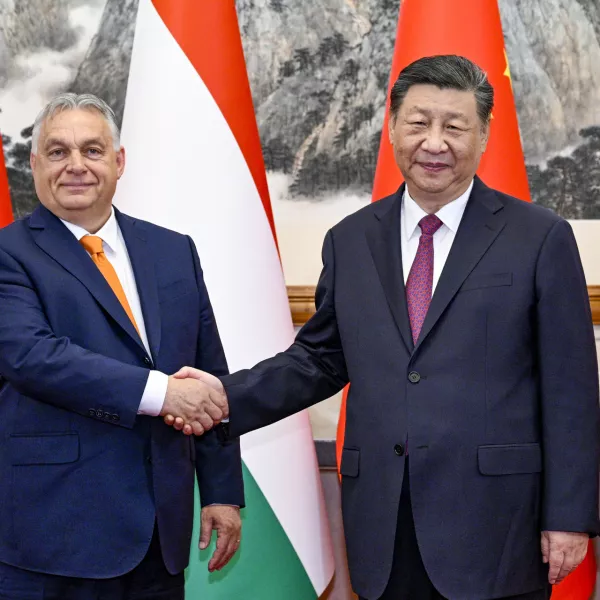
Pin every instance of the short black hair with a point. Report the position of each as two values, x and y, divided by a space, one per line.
445 71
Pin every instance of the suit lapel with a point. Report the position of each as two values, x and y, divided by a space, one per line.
482 221
60 244
383 237
134 235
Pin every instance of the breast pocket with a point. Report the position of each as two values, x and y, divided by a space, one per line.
479 281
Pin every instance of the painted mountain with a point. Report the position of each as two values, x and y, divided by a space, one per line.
319 74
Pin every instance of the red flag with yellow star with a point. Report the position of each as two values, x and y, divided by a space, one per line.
6 214
471 28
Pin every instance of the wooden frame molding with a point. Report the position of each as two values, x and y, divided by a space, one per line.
594 292
302 302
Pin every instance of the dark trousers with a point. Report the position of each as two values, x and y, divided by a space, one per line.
150 580
409 579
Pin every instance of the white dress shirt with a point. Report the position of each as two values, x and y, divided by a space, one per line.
116 252
411 213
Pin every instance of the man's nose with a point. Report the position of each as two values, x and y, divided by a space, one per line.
76 164
434 141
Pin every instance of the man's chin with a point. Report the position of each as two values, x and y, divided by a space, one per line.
76 200
433 186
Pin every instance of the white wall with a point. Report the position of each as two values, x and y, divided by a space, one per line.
587 234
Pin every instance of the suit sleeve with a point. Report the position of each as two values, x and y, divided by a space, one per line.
311 370
54 370
218 457
568 370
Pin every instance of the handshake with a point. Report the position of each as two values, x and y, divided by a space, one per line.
195 401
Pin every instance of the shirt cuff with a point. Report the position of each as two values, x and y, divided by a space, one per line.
154 394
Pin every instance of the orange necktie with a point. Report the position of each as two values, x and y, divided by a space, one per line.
93 244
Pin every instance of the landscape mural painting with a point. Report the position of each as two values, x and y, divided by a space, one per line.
319 72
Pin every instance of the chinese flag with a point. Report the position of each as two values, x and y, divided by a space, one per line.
6 214
471 28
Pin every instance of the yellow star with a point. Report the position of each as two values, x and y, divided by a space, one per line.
507 70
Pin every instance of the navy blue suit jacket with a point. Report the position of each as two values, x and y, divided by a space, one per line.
498 398
83 478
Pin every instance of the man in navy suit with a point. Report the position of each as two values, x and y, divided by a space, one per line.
96 308
461 319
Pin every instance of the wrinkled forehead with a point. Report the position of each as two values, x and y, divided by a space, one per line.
75 127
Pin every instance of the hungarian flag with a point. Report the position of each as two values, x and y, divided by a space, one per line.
195 165
471 28
6 213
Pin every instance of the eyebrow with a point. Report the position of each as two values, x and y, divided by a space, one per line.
428 113
96 141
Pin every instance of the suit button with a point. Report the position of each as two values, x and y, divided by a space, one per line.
92 412
115 418
414 377
100 413
399 449
147 360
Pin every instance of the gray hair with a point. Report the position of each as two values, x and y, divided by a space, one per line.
69 101
445 72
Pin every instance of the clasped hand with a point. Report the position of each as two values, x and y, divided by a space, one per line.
195 401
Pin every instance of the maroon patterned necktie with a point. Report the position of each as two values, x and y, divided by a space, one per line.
419 284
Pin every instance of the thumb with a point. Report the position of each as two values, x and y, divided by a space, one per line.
184 373
203 376
206 527
206 378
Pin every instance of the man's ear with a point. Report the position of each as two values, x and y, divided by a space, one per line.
120 161
485 136
391 127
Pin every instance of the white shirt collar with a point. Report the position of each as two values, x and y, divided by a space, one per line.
450 214
109 233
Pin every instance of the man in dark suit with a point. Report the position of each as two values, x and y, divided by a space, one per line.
96 307
460 317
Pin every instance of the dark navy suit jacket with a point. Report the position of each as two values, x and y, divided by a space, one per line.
498 398
83 478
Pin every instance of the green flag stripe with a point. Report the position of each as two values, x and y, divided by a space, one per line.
266 567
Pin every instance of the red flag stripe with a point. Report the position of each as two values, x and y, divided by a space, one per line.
209 35
6 213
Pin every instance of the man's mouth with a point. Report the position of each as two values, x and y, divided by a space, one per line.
434 167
